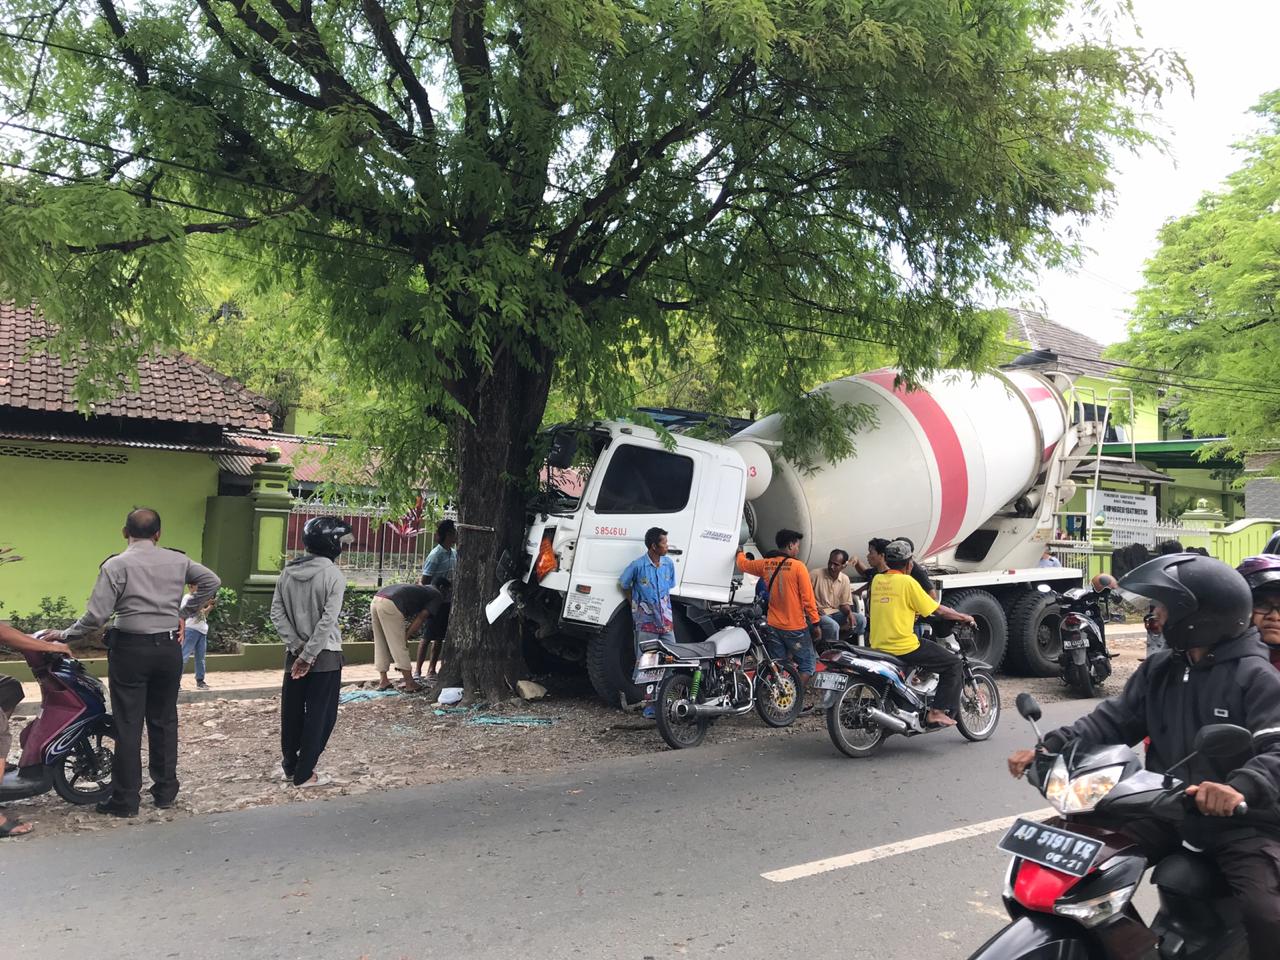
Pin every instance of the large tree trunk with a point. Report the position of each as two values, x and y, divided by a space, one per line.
492 455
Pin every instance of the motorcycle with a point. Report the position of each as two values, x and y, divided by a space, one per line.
1071 879
1085 662
869 695
689 685
68 747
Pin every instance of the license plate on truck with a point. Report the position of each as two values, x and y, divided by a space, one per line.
829 680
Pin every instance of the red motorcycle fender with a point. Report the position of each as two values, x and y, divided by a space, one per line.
1036 937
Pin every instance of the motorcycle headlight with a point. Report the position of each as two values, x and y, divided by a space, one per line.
1098 909
1081 794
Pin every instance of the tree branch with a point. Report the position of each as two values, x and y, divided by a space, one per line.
126 246
631 161
382 32
127 50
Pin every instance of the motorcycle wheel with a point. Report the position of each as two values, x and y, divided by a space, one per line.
779 693
679 734
1081 680
979 707
852 731
83 776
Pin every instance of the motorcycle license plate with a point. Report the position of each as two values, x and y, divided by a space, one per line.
1074 643
646 676
1052 847
829 680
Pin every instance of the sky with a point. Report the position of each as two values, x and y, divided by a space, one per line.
1230 48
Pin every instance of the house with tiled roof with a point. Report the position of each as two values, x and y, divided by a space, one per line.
71 476
1143 455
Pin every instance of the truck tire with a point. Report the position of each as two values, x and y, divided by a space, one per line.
611 660
541 661
1035 637
993 629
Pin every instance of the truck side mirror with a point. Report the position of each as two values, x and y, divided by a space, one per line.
564 446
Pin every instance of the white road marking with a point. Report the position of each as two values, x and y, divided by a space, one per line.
815 867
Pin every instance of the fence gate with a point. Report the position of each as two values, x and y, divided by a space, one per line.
387 549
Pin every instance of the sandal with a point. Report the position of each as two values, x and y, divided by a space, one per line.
10 827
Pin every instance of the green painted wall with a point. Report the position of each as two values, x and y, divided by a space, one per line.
228 539
1146 414
64 517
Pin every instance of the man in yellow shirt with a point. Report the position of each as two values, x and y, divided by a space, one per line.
896 600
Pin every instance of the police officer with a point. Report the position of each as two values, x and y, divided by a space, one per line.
143 587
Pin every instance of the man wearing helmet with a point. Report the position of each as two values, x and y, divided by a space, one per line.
1215 670
1262 573
304 610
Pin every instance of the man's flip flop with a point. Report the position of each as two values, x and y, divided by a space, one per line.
10 827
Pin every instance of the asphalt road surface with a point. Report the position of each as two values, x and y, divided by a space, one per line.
661 856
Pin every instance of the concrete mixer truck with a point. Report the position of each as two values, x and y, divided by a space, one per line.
970 467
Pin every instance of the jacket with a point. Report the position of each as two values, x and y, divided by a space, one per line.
306 605
791 602
1169 699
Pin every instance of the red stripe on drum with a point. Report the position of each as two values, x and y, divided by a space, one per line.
953 471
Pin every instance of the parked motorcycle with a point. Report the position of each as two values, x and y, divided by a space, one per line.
69 746
869 695
1085 662
1071 880
690 685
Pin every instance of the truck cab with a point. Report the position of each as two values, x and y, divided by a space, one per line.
629 480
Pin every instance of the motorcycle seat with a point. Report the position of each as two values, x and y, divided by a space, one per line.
866 653
1190 875
702 650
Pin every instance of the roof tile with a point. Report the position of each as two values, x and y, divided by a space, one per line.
170 388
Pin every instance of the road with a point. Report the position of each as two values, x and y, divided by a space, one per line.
658 857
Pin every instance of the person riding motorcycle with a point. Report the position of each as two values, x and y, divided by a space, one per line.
1262 573
1215 670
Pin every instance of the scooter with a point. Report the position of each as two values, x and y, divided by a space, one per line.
1085 662
69 747
1071 880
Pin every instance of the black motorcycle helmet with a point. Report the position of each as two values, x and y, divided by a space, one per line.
1206 601
326 536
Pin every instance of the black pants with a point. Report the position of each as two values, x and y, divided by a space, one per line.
937 658
308 711
1252 870
143 674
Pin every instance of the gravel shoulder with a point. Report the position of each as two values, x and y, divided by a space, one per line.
229 756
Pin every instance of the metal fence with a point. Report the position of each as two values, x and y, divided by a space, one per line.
387 548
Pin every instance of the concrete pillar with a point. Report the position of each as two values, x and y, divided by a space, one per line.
1205 515
272 504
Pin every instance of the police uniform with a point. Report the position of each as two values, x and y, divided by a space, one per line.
143 587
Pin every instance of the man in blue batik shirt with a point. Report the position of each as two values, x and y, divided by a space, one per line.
647 582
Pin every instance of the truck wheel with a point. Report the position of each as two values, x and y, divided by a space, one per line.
1035 635
541 661
992 636
611 660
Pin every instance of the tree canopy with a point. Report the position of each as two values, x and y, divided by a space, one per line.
481 198
1207 324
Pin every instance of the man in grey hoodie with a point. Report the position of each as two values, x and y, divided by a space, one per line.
304 610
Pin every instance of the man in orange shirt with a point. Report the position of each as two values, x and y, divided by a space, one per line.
793 610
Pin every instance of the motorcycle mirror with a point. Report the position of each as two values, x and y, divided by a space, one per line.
1028 707
1223 741
1043 588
